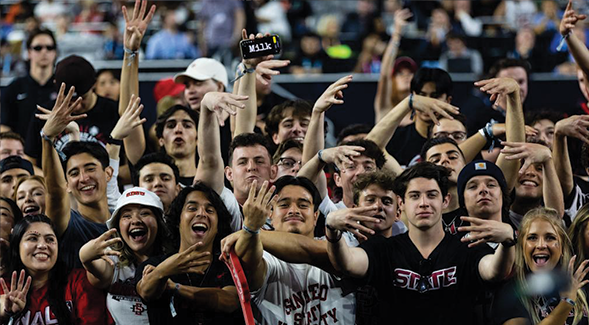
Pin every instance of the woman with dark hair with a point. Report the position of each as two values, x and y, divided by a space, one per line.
56 295
192 286
544 255
9 216
111 262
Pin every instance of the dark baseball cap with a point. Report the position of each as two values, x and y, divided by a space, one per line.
404 62
14 162
75 71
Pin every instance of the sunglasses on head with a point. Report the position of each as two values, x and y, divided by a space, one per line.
38 48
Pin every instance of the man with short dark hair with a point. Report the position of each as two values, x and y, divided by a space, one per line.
11 169
288 120
11 144
425 266
158 173
288 158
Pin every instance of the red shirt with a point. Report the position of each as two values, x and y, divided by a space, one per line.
87 304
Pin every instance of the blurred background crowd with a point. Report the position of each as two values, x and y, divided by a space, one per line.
319 36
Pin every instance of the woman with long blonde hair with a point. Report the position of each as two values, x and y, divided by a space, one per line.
543 251
579 236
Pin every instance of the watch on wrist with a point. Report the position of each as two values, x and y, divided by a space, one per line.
510 242
114 141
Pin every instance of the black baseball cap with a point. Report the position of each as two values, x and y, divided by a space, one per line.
14 162
75 71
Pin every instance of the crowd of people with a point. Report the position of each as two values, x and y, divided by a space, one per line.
437 214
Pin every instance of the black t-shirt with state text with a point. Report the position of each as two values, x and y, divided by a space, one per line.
216 276
451 279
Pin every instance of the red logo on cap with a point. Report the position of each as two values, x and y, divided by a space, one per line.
133 193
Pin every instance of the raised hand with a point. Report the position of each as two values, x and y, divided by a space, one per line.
569 19
499 130
15 299
188 261
97 248
253 62
136 25
573 127
61 115
265 69
351 220
129 120
332 95
498 88
218 102
577 278
341 155
485 231
532 153
258 206
432 106
401 17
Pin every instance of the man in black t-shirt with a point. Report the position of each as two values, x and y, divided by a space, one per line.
101 113
425 276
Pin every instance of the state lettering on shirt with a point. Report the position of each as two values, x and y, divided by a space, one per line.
408 279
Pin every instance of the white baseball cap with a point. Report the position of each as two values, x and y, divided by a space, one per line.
135 195
204 69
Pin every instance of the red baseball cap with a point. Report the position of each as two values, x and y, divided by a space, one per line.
166 87
404 62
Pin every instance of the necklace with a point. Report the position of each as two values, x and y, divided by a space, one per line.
451 226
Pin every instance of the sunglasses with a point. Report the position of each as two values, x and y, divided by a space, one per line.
38 48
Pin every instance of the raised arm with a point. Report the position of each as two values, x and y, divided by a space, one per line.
493 267
532 154
249 247
210 166
383 101
382 132
571 127
94 258
476 142
351 261
575 45
58 201
135 27
507 89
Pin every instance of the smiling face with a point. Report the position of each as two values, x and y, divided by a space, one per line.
138 228
542 246
86 179
198 221
293 211
349 172
179 135
38 249
159 178
196 89
248 164
423 203
30 197
447 155
291 127
529 184
483 197
374 195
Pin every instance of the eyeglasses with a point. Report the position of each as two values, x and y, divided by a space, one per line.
457 136
425 271
288 163
38 48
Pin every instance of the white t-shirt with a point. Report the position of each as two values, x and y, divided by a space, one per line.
301 294
123 301
234 209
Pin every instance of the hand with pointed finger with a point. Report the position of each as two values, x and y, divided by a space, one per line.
258 206
569 19
266 69
218 102
136 24
188 261
332 95
341 155
351 219
531 153
485 231
14 298
97 247
434 107
61 114
130 119
575 126
578 280
498 88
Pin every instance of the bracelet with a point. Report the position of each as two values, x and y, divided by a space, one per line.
114 141
45 136
132 54
510 242
250 231
411 105
569 301
320 157
562 41
243 72
339 234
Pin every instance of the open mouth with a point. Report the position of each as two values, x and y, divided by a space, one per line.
32 209
298 139
137 234
87 189
378 216
200 228
178 141
529 183
540 259
41 256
